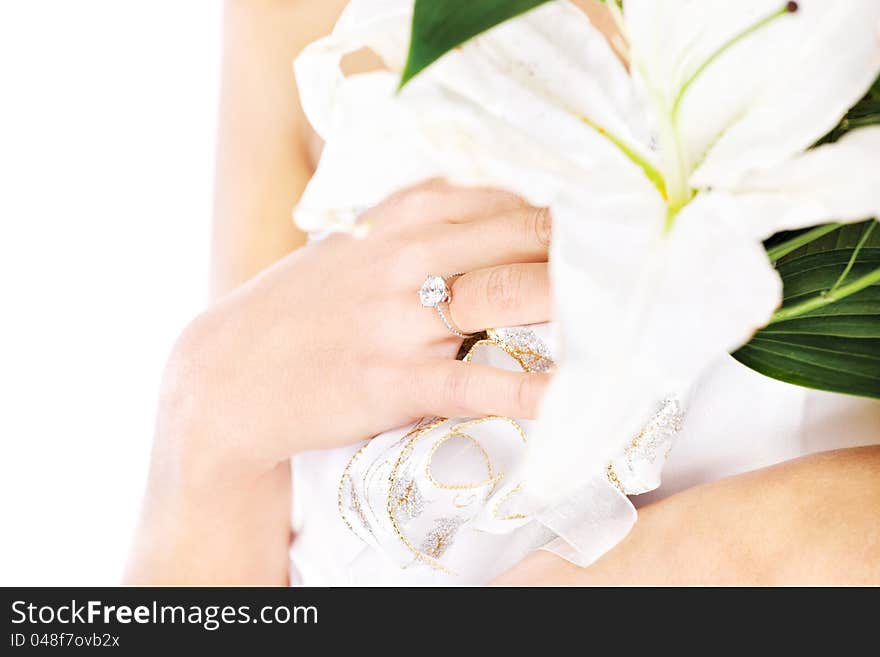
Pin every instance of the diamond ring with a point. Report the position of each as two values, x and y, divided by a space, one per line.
436 293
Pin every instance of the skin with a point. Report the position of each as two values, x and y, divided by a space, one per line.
811 521
326 346
265 150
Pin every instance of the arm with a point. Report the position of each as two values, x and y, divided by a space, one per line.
263 164
263 155
295 359
327 347
815 520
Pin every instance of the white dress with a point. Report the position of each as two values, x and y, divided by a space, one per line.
737 420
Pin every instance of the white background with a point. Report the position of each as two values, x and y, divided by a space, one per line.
107 123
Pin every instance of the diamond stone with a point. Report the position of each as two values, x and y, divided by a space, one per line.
434 292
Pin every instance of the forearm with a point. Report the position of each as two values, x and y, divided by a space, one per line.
210 517
206 526
199 524
225 533
811 521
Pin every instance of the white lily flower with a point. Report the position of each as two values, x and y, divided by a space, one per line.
663 178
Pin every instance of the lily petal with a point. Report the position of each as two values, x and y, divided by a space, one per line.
486 115
381 143
552 74
836 182
823 60
637 325
763 98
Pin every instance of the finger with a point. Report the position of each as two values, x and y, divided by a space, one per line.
517 236
450 388
510 295
437 201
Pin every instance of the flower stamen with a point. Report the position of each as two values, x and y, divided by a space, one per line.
787 8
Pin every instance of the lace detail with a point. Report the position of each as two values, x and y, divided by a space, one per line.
392 497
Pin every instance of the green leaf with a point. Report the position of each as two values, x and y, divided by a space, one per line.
827 335
819 340
441 25
865 113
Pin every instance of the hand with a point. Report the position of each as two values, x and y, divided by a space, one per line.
331 345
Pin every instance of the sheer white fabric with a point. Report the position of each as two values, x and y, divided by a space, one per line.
737 421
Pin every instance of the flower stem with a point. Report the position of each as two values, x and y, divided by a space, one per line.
671 214
827 298
855 255
782 250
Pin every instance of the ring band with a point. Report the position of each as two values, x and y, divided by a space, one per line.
437 293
